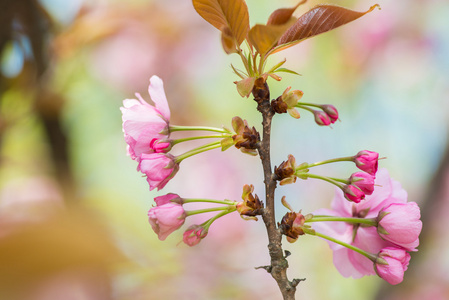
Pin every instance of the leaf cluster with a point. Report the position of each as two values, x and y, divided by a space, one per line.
281 31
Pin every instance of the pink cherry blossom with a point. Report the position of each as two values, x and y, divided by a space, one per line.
364 181
331 111
161 200
159 168
367 161
349 262
143 122
400 224
397 259
353 193
194 234
166 218
321 118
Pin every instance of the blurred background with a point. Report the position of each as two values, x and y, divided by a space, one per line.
73 209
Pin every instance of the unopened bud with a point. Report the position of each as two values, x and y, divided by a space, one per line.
331 111
321 118
353 193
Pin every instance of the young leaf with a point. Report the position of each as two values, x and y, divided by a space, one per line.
319 19
265 37
232 14
227 41
277 66
287 71
283 15
239 72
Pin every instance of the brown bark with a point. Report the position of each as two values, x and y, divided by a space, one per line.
279 263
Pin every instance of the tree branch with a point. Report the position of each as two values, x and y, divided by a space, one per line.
279 264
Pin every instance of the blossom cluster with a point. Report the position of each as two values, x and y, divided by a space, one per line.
370 223
384 225
146 130
147 133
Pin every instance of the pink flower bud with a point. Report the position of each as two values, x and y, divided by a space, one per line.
160 146
159 168
194 234
364 181
353 193
321 118
400 224
143 122
161 200
331 111
166 218
397 260
367 161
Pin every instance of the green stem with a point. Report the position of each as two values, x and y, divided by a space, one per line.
211 209
226 202
304 107
245 61
177 141
301 104
255 64
370 222
209 222
324 178
345 181
198 150
368 255
174 128
328 161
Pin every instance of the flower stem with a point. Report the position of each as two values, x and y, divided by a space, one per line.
226 202
304 107
348 158
228 208
370 222
207 147
323 178
368 255
201 128
345 181
177 141
209 222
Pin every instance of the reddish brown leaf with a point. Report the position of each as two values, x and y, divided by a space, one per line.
265 37
232 14
227 41
283 15
319 19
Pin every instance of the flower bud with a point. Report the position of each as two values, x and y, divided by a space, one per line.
353 193
194 234
400 224
170 197
367 161
331 111
321 118
166 218
364 181
397 261
159 168
161 146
